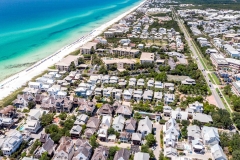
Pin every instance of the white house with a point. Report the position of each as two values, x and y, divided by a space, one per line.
210 135
178 114
35 85
106 122
118 123
196 107
171 133
127 94
145 126
217 152
12 143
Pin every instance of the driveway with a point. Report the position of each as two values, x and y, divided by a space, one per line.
171 63
158 130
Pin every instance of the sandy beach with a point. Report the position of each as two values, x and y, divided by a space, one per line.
16 81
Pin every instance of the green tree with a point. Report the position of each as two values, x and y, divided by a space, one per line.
93 141
150 140
112 152
44 156
110 131
46 119
184 132
227 89
31 104
236 155
62 115
137 116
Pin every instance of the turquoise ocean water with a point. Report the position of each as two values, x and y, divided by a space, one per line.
33 29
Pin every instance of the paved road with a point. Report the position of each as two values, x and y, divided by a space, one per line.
200 66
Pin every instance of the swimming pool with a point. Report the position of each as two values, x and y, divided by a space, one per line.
22 128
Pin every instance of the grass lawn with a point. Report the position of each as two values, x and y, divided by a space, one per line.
211 78
227 98
225 105
8 100
208 64
215 78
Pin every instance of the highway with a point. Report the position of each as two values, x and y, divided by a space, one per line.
197 57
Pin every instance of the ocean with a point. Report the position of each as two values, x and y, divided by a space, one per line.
31 30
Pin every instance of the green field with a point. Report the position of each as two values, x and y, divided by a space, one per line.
211 78
216 79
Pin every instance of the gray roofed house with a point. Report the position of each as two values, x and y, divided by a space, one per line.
124 111
145 126
86 106
141 156
134 149
194 132
65 150
106 109
136 138
89 132
83 150
218 153
76 131
170 152
116 104
131 125
81 119
48 147
101 153
122 154
44 137
204 118
93 122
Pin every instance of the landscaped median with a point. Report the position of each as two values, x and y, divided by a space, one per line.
216 80
221 96
210 77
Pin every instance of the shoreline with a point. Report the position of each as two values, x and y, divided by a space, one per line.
16 81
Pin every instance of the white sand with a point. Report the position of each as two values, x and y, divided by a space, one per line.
16 81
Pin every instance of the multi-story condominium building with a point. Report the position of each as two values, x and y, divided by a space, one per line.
218 61
125 52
